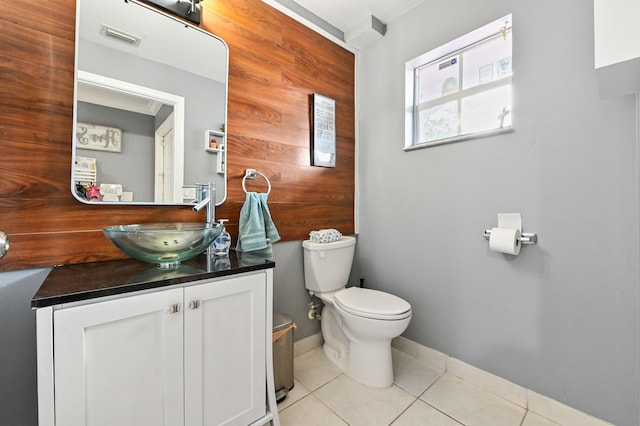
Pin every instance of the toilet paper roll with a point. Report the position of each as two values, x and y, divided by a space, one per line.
505 240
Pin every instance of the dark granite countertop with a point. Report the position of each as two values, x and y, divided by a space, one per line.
73 283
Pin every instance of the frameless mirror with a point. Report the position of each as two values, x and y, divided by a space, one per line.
151 106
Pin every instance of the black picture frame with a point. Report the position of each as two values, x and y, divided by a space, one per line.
324 131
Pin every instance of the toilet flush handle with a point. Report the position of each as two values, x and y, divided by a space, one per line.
321 253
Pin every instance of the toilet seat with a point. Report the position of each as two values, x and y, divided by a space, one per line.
372 304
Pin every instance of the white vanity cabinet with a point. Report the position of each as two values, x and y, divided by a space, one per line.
225 352
119 362
194 354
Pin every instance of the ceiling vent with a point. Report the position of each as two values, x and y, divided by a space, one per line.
111 32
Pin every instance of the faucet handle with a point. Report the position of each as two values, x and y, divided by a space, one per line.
206 186
205 190
206 197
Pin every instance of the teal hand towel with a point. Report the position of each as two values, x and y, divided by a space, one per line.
256 228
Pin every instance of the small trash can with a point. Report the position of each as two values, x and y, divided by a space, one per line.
283 327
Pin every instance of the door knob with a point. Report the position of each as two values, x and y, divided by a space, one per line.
4 244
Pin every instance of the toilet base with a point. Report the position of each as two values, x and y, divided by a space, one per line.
340 360
366 359
370 363
336 345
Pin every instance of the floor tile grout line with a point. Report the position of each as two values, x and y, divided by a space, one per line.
403 411
477 388
312 395
481 388
323 403
332 410
433 383
415 400
441 374
444 413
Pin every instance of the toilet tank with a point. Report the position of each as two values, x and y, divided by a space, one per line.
327 265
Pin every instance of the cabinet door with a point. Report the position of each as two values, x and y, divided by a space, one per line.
119 362
225 351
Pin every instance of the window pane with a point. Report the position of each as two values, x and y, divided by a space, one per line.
487 61
438 122
462 88
438 79
488 110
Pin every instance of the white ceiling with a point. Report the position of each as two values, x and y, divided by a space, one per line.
347 14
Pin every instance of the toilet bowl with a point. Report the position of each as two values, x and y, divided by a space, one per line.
357 324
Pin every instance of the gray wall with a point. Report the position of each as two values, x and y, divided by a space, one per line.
289 294
18 391
134 166
562 318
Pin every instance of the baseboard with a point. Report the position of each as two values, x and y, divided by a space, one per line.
307 344
532 401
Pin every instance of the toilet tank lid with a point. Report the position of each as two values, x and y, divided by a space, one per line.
344 241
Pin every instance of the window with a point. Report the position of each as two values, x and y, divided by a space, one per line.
462 89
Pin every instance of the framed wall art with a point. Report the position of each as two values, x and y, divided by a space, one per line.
324 131
98 138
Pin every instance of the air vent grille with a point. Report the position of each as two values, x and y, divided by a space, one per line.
120 35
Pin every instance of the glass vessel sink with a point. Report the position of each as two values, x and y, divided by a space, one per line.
166 244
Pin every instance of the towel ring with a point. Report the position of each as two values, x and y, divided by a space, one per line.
251 174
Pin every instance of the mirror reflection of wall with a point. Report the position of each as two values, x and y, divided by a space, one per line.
133 166
172 58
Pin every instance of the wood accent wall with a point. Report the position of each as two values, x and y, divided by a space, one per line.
275 65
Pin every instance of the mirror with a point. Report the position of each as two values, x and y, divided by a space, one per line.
150 109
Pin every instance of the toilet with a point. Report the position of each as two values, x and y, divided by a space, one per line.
357 323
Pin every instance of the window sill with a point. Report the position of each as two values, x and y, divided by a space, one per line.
459 138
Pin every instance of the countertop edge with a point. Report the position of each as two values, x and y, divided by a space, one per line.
55 290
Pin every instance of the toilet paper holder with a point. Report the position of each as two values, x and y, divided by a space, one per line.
525 238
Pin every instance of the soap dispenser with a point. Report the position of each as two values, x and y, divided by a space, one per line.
223 242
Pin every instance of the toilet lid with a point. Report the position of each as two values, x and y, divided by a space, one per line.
372 303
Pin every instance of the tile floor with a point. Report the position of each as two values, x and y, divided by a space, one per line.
421 395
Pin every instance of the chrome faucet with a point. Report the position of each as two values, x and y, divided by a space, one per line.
206 197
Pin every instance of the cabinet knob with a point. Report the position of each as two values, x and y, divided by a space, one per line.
194 304
174 309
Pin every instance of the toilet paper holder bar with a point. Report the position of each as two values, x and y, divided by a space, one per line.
525 238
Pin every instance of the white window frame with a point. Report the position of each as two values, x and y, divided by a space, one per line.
440 54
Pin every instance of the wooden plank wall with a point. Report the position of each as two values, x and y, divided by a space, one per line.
275 65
